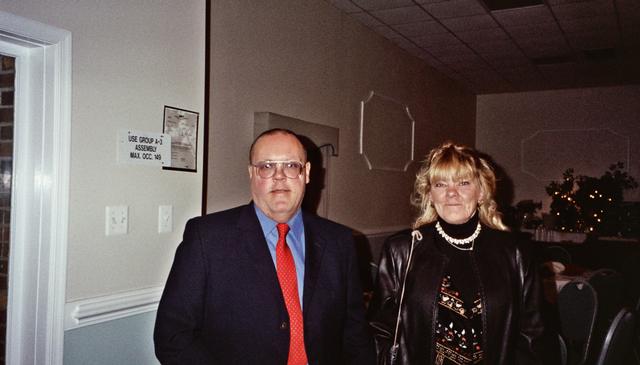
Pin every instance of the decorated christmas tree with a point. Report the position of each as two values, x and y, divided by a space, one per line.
593 205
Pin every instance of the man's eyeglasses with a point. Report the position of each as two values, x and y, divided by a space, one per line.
267 169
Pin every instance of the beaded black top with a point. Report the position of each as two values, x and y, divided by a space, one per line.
459 315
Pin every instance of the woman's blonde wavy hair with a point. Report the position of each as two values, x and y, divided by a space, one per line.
456 162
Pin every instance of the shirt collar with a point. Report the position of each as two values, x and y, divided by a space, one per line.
296 226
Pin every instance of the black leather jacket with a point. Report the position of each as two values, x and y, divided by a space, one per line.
510 289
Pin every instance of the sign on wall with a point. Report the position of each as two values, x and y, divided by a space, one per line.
182 126
145 148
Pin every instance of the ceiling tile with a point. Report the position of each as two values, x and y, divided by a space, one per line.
563 74
590 24
345 5
534 30
596 73
545 47
559 2
450 51
511 61
544 42
432 60
583 9
421 53
421 28
474 22
461 40
497 47
414 50
517 73
482 35
467 64
405 43
367 20
483 77
593 40
382 4
468 58
444 39
410 14
522 76
442 68
387 32
523 16
454 8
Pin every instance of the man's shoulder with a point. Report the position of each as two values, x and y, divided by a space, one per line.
324 224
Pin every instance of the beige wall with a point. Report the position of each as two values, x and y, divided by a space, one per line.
129 59
306 60
585 129
297 58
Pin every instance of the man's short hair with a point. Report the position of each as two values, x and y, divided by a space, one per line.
273 131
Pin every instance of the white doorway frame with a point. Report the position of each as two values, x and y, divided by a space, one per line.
40 189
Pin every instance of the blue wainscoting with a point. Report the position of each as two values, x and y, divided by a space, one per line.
124 341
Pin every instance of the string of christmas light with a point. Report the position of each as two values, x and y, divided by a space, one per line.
592 205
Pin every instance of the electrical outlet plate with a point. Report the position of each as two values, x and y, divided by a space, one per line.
165 219
116 220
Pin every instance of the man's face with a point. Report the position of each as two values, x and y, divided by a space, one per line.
279 196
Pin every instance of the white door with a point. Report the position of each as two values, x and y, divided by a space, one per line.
39 199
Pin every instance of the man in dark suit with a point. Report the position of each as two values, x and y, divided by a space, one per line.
265 283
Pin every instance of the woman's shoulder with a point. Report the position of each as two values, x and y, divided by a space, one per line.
500 235
510 240
403 238
398 239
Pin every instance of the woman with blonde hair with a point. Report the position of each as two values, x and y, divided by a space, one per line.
458 289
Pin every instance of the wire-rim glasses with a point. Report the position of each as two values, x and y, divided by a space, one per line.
290 169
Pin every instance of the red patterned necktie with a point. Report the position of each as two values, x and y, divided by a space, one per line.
286 269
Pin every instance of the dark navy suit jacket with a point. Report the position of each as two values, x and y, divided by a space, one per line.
222 303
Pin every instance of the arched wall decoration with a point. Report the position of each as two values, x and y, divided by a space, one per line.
546 153
387 133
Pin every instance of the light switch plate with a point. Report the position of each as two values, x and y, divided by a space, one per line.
116 220
165 218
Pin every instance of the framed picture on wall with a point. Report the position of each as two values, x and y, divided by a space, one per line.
182 126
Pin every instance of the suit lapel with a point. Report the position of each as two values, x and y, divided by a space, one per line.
314 249
255 246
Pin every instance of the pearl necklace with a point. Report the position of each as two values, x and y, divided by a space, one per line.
456 242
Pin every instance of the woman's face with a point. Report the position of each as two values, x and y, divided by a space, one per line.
455 201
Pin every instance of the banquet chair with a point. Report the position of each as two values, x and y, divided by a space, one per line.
636 347
577 307
563 350
618 343
557 254
610 289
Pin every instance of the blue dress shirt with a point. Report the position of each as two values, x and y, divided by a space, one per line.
295 241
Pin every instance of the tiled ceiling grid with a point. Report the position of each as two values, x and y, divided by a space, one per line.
554 44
